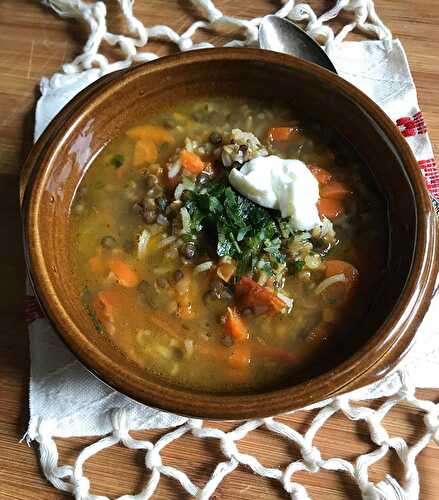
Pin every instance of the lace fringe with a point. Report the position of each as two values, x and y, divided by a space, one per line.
72 479
94 15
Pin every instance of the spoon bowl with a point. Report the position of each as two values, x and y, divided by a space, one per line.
281 35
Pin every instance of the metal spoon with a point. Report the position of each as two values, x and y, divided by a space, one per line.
284 36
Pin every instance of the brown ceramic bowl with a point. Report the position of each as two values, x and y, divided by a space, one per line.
62 155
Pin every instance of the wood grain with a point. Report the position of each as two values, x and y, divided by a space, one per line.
34 43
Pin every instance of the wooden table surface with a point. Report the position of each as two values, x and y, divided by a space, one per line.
34 43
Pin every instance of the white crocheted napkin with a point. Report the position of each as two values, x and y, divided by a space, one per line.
66 400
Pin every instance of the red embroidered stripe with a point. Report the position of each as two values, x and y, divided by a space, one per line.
412 125
430 172
421 127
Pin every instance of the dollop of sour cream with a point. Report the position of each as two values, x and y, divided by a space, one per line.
285 185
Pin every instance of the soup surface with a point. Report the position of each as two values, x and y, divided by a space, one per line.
197 283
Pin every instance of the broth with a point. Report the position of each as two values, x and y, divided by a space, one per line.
203 287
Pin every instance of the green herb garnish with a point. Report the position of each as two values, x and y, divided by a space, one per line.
243 230
117 160
86 297
298 266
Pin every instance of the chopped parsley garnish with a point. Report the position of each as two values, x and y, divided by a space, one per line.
298 266
252 235
117 160
86 298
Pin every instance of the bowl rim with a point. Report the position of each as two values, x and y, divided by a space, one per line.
392 340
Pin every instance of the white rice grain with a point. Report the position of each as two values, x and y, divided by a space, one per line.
179 191
201 268
337 278
166 242
174 168
185 220
288 301
142 243
189 347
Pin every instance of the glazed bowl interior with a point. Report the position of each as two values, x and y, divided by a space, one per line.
108 107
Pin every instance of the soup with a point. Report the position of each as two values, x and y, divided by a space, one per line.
226 245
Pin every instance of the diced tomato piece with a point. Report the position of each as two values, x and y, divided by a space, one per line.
322 175
335 191
259 299
330 208
235 325
281 134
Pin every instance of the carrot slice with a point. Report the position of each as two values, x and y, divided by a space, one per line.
259 299
145 151
185 310
96 264
126 275
105 304
190 161
102 307
322 175
235 325
330 208
240 356
335 191
151 133
340 293
280 134
274 353
334 267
